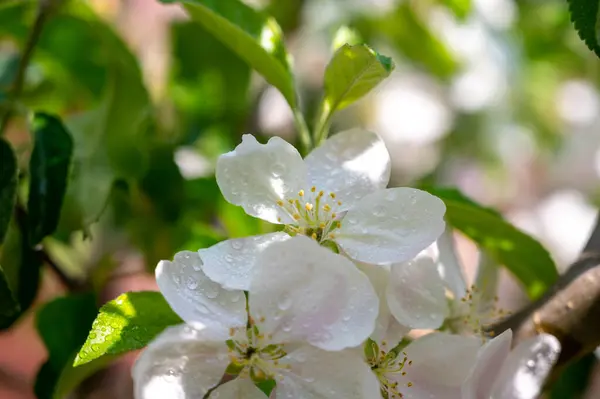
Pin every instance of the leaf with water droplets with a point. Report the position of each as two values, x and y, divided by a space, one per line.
126 323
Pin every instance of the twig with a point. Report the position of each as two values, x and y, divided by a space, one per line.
44 10
570 310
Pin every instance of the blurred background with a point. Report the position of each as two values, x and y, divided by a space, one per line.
497 97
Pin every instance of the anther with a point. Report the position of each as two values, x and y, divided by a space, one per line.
313 189
326 208
314 236
333 215
301 193
332 195
280 202
296 216
308 206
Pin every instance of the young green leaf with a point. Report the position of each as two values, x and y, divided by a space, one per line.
254 37
49 170
9 307
126 323
353 72
526 258
8 186
585 16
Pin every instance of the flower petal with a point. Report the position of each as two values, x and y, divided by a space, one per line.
240 388
526 368
301 291
195 298
255 176
181 363
231 262
317 374
490 359
448 265
440 363
351 164
391 226
416 294
386 327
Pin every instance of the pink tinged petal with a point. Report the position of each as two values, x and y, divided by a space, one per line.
231 262
195 298
181 363
525 371
490 359
302 292
351 164
255 176
317 374
240 388
440 363
391 226
416 294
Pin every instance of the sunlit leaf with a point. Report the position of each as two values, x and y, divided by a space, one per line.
584 14
522 255
254 37
126 323
49 171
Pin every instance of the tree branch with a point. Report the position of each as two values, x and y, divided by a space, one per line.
570 310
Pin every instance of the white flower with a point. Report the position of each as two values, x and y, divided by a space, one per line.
445 366
302 319
411 296
337 194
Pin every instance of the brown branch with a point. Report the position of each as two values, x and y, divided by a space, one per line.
570 310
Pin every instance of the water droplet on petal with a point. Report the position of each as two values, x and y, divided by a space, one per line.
379 211
237 244
191 283
285 302
278 169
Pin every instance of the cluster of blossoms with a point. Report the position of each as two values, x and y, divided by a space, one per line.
322 308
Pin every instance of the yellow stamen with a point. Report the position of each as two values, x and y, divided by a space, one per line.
308 206
280 202
314 236
296 216
301 193
332 195
313 189
326 208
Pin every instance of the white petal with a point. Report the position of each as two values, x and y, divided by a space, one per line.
490 359
181 363
440 363
526 368
448 265
308 293
416 294
255 176
195 298
391 226
240 388
351 164
386 327
317 374
231 262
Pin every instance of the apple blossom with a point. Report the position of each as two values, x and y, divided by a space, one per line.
299 324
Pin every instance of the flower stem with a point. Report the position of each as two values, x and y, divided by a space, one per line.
303 132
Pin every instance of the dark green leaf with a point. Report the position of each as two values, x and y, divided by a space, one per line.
8 186
49 170
526 258
584 14
353 71
63 325
254 37
126 323
9 307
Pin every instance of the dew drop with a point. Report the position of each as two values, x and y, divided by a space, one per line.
235 297
278 169
237 244
285 302
287 326
346 318
211 292
379 211
228 258
191 283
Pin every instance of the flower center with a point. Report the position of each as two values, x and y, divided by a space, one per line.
314 213
473 312
389 367
252 355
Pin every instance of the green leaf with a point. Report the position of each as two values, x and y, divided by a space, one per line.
460 8
126 323
8 186
586 17
254 37
353 71
49 170
526 258
63 325
9 307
